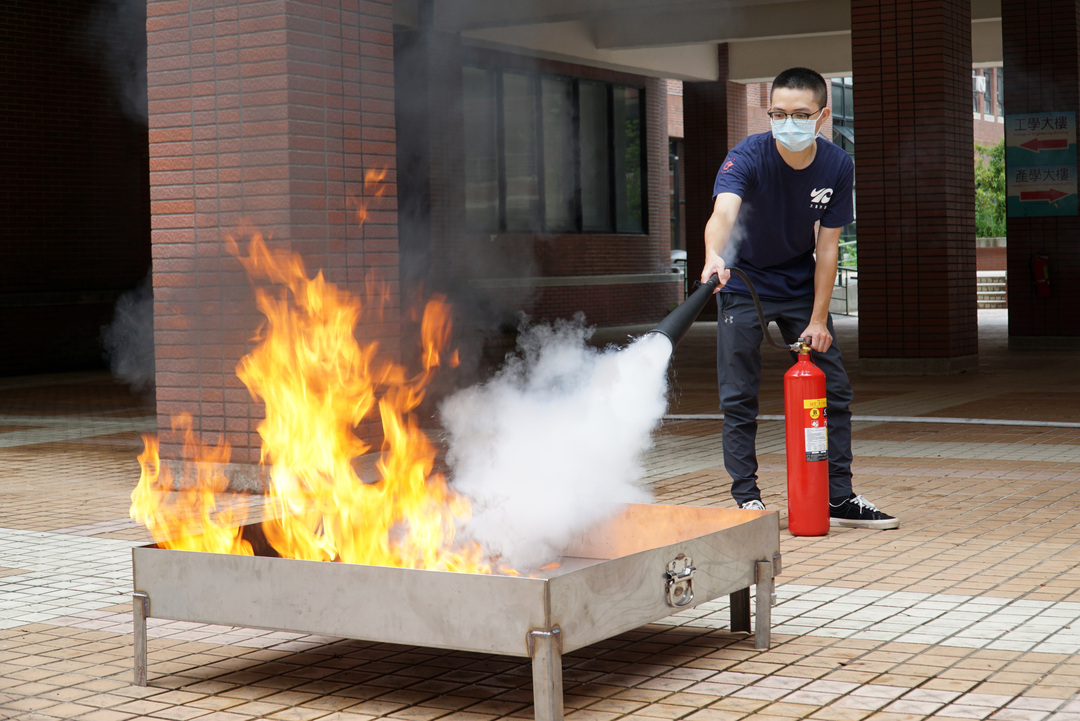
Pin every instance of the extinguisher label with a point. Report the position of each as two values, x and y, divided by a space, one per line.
817 444
816 438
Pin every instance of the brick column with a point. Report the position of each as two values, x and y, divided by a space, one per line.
714 120
914 184
1038 81
265 114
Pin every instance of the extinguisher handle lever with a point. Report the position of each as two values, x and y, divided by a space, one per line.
801 345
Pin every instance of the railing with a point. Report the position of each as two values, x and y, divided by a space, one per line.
845 295
848 254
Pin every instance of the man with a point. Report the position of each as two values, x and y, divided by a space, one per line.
770 193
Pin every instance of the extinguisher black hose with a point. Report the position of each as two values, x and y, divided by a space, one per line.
678 322
760 314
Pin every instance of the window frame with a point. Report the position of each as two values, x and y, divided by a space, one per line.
576 161
843 115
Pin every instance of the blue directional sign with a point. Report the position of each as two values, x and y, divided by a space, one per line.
1040 164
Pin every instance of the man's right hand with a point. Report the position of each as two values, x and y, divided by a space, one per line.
714 264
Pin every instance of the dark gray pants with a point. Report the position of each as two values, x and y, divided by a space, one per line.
738 371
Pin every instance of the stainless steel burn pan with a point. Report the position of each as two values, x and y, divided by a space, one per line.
644 565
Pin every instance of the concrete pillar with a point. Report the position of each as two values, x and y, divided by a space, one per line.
714 120
1041 81
914 186
265 115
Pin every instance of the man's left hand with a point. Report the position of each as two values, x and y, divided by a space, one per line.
819 335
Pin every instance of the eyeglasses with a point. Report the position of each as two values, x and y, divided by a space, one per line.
781 116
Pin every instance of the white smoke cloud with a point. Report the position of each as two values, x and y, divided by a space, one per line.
553 443
117 34
129 339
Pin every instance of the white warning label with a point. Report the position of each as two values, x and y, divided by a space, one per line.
817 444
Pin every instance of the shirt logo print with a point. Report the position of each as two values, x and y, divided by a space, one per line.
728 166
820 197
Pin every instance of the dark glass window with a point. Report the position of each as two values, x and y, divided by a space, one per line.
843 115
522 196
560 203
843 134
999 110
628 175
595 158
481 148
548 153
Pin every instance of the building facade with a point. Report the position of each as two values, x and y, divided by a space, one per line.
525 162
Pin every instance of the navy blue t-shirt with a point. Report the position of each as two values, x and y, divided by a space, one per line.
773 237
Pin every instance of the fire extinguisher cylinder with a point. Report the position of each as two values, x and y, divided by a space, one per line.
807 446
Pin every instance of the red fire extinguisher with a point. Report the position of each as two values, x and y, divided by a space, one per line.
1040 272
807 446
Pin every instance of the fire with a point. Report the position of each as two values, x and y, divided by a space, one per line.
188 520
317 383
373 188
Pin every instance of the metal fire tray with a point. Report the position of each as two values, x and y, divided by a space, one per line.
644 565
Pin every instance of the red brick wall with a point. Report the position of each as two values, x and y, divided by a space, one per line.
991 258
757 102
74 223
988 132
675 108
265 114
912 82
1038 81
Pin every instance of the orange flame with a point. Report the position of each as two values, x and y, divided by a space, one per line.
373 188
187 517
317 383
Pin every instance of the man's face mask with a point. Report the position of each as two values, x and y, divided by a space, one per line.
795 135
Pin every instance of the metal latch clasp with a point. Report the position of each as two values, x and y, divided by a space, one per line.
679 581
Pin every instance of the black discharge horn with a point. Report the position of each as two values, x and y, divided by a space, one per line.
678 321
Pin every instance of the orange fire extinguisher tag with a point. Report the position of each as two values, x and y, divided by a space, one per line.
816 435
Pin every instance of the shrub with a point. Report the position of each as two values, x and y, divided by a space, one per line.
990 191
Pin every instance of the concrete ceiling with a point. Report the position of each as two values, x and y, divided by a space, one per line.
677 38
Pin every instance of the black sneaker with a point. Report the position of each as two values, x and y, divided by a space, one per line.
754 505
857 512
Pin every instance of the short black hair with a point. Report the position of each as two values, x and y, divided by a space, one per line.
803 79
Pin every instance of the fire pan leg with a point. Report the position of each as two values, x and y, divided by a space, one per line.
740 610
140 608
545 647
763 605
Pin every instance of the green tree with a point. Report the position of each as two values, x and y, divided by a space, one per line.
990 191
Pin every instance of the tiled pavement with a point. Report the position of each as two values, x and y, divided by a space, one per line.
970 610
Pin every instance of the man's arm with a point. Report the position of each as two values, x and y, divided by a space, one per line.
717 232
828 254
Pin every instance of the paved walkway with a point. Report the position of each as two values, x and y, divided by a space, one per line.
970 610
